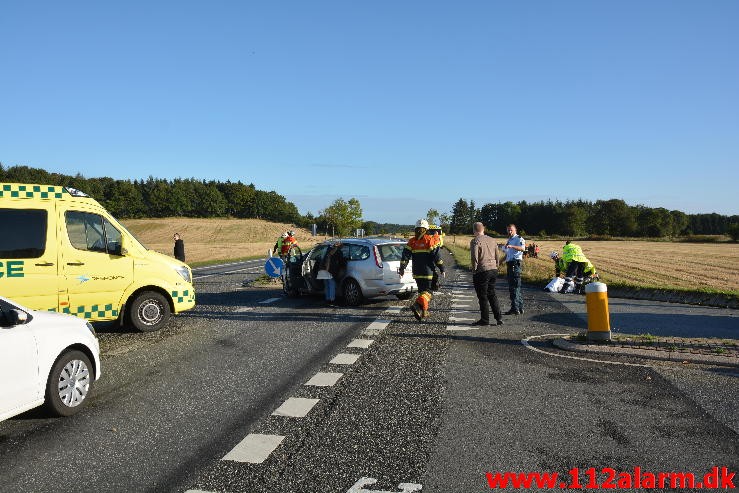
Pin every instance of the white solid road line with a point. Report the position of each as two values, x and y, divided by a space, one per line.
295 407
324 379
220 273
255 448
226 265
270 300
361 343
525 342
345 359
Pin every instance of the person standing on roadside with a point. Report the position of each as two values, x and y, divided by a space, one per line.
179 247
484 264
333 267
514 248
277 249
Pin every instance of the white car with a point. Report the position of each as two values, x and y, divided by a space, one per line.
45 358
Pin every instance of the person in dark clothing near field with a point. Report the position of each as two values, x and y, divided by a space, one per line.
179 248
484 264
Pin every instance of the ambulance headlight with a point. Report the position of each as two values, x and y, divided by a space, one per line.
184 272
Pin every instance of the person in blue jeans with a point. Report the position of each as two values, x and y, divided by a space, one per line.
514 248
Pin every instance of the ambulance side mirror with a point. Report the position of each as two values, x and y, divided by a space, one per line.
122 249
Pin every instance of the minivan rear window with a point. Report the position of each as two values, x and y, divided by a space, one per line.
22 233
355 252
391 252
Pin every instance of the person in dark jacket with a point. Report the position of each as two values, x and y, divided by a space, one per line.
423 249
333 267
179 248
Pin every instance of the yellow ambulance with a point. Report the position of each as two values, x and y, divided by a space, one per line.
61 251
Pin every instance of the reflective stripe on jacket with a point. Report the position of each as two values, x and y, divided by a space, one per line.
425 254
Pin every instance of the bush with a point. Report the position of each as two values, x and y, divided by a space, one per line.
700 239
733 231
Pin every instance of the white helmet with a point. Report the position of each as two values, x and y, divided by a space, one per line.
422 223
284 235
554 255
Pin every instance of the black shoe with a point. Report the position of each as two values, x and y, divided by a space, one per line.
480 322
511 312
417 312
499 322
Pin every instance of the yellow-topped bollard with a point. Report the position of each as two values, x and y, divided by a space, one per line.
599 324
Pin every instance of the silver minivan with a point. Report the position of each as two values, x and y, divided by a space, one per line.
371 270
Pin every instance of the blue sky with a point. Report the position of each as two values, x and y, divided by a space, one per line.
405 105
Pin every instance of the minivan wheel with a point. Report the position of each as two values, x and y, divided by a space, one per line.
149 311
352 292
69 384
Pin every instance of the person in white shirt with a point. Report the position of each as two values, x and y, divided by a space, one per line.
514 248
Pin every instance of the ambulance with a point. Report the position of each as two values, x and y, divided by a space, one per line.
61 251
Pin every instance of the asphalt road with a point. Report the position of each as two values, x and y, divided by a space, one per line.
432 406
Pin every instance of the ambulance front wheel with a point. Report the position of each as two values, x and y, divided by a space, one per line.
149 311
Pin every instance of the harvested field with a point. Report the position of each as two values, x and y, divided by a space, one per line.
645 264
214 239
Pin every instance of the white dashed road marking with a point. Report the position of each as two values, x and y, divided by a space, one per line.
269 300
244 309
361 343
376 327
461 319
345 359
324 379
295 407
461 327
364 481
255 448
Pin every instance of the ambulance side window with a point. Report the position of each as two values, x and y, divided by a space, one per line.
22 233
85 231
113 238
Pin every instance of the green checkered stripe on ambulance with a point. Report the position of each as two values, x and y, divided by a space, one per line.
183 296
15 191
94 311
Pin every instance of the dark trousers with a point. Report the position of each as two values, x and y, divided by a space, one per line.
485 288
514 284
575 270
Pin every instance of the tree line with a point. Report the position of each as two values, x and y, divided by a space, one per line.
581 218
157 197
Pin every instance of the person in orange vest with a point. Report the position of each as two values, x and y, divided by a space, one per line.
423 249
287 243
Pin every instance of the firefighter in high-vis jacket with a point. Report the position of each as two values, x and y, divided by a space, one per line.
423 249
574 264
288 243
277 249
